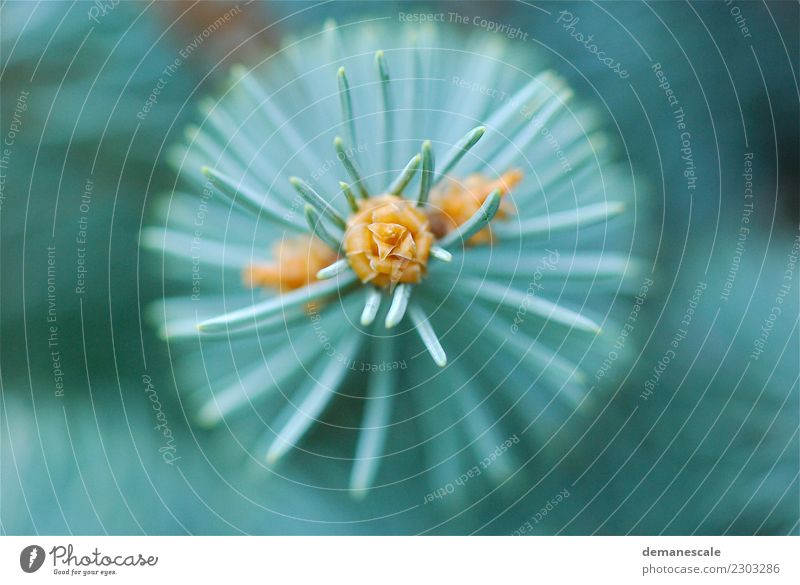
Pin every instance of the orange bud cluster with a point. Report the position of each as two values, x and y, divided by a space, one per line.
296 263
457 201
388 241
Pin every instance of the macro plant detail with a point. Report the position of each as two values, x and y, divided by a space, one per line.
619 341
488 245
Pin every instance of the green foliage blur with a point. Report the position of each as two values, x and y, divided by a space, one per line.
93 94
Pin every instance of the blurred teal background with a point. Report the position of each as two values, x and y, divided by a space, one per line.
713 449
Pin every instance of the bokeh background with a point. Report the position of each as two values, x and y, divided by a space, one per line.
712 449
